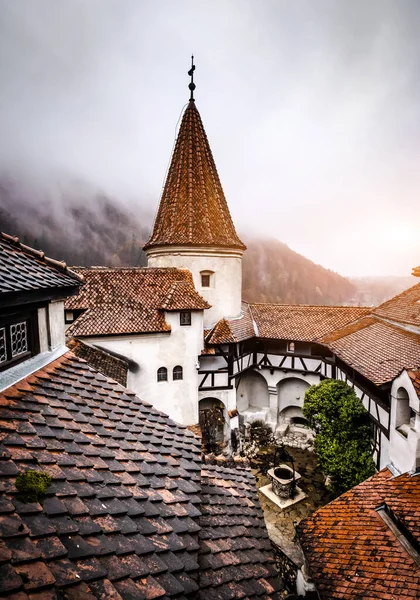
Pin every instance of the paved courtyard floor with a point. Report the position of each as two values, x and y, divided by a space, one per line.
281 523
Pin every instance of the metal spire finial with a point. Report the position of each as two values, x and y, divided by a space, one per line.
192 84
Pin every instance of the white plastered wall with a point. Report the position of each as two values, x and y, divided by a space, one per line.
404 452
182 346
50 326
225 291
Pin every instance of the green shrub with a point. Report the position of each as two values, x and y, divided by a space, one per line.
261 433
343 440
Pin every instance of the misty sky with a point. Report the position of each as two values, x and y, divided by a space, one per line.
312 109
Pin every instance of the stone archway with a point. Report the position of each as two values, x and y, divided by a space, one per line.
290 396
212 417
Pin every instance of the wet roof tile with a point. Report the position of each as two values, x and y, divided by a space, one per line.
352 553
122 515
25 269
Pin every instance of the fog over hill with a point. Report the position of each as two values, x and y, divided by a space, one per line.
83 226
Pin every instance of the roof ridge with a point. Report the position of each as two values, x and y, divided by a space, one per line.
400 295
309 305
39 254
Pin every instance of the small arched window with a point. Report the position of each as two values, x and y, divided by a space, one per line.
162 374
177 373
291 347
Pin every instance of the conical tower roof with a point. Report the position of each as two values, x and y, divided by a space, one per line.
193 210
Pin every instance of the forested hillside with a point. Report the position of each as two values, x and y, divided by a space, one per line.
274 273
86 228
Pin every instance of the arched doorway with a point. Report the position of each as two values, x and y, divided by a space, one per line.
212 420
291 394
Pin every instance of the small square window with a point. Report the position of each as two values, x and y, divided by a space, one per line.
185 317
68 316
205 280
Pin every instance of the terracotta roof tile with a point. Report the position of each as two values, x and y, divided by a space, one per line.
415 378
99 359
193 210
301 322
131 300
377 350
404 308
229 331
24 269
416 271
352 553
80 527
121 518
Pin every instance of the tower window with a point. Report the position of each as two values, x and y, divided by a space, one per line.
162 374
206 277
177 373
185 317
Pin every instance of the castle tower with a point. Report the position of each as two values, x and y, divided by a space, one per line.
193 226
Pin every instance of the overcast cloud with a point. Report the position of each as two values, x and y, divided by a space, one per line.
312 109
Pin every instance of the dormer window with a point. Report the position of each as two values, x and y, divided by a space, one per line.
206 279
16 339
185 317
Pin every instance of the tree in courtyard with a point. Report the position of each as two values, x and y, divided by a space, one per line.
344 434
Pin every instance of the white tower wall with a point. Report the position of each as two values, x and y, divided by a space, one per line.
224 268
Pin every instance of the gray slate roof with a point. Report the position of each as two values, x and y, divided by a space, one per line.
24 269
131 512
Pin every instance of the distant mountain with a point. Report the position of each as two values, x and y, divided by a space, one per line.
375 290
75 223
272 272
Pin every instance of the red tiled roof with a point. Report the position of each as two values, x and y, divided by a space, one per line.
233 330
103 361
415 378
377 350
131 300
193 210
404 308
300 322
24 269
350 550
121 518
416 271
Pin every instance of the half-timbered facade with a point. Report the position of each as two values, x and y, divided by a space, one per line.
192 344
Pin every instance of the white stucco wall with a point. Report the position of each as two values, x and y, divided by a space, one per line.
178 399
51 326
224 293
252 391
404 452
56 319
291 393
